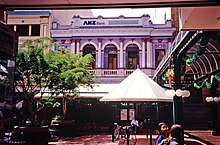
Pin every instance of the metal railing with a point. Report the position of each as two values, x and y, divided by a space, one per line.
118 72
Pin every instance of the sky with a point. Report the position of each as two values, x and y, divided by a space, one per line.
157 15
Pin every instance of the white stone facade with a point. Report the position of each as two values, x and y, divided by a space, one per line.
116 43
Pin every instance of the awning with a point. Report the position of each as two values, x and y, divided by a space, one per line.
98 91
199 50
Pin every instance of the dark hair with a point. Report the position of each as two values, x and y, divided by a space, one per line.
176 131
159 127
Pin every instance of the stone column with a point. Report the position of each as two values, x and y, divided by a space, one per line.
143 52
99 52
72 46
45 33
140 59
121 53
29 33
44 30
53 47
96 59
77 46
102 58
149 53
124 59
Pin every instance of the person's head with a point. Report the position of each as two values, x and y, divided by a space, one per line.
162 128
176 131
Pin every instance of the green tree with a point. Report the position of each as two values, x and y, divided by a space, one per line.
60 71
68 72
31 72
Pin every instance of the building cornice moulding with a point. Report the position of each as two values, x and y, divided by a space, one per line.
112 32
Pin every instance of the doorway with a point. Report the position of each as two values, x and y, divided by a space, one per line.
112 61
132 60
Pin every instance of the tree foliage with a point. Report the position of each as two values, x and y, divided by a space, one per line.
68 71
59 71
31 71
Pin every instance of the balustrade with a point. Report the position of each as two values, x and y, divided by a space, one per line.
118 72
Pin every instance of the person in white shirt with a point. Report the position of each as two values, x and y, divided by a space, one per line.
134 125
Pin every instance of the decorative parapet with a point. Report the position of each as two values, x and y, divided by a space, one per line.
146 20
121 21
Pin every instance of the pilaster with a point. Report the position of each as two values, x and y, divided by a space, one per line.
121 52
99 52
77 45
72 46
149 53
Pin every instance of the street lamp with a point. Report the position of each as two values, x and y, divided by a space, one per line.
211 99
177 109
178 93
214 114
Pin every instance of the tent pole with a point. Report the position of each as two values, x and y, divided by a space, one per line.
127 128
150 123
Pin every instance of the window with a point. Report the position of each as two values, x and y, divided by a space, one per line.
23 30
35 30
159 56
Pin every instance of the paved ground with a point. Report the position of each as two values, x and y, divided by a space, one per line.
204 137
86 140
193 138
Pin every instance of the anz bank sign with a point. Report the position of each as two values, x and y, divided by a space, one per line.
92 23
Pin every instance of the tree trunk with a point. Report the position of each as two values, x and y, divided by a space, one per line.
64 107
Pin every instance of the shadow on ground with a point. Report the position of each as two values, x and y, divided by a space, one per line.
86 140
105 139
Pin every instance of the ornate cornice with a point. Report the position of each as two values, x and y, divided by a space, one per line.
113 32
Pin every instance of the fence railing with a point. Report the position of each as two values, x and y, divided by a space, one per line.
118 72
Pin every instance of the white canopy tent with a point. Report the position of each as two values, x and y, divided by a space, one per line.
137 87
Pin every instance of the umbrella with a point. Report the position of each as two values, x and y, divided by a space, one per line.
137 87
97 91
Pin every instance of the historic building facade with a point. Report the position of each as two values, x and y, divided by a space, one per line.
119 45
